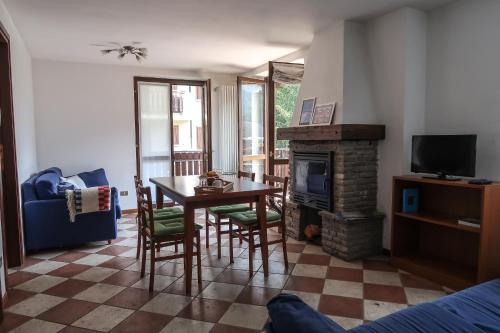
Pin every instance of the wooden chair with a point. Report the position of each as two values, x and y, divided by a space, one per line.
275 217
156 232
220 213
166 213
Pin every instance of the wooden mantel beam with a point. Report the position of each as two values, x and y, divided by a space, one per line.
332 132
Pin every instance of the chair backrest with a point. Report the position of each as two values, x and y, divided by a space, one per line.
277 201
145 206
248 175
137 183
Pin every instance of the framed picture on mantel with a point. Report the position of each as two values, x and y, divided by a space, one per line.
307 111
323 114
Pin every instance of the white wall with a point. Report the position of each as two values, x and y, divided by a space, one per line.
463 91
324 71
337 69
22 89
358 89
85 118
398 64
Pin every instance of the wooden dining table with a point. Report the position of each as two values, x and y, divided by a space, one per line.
181 190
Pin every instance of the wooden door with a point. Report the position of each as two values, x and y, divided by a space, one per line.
2 227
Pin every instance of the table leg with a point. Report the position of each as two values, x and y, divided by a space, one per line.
261 217
159 197
188 249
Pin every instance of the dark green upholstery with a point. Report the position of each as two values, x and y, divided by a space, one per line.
171 227
228 209
250 217
168 213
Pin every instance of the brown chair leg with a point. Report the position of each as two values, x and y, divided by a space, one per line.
143 262
152 270
283 240
207 230
231 259
176 247
139 238
251 249
109 241
217 221
158 247
198 256
239 235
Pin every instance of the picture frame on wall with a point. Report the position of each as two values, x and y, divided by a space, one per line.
307 111
323 114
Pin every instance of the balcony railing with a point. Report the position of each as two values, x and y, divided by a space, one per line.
282 153
187 163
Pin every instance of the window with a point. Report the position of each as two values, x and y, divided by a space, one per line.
177 105
176 134
199 138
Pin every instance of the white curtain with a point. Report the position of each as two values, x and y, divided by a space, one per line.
154 108
228 127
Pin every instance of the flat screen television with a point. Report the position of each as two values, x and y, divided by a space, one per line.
444 155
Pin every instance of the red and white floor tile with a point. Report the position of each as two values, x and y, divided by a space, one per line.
97 288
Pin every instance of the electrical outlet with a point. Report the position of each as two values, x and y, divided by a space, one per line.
123 193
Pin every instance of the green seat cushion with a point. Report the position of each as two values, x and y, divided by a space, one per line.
164 219
250 217
229 209
172 228
168 213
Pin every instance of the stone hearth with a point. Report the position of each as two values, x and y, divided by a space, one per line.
353 228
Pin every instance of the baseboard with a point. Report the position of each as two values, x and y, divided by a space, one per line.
129 211
5 297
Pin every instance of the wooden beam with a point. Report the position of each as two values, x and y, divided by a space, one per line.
332 132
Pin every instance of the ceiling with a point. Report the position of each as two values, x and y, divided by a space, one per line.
211 35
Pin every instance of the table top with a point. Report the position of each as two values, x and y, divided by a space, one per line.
183 186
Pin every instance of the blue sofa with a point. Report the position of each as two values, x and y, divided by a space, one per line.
45 214
473 310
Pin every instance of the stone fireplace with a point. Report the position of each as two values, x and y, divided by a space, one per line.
351 227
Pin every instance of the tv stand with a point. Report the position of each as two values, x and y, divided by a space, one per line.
431 242
443 177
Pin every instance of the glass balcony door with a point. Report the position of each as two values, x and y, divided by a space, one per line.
172 131
284 86
252 99
188 129
155 131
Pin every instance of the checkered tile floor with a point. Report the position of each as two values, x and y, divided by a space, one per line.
98 288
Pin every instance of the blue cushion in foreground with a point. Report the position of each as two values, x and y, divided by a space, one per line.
94 178
289 314
422 318
479 305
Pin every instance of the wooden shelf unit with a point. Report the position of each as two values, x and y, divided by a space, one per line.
432 244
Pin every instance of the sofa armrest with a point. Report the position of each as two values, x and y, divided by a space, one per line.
289 313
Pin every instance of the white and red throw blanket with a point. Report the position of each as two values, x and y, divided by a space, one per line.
88 200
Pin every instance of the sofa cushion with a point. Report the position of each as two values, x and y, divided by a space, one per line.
75 181
46 186
94 178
